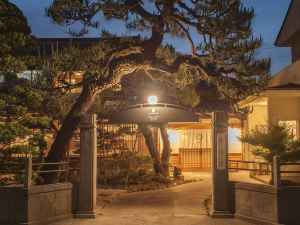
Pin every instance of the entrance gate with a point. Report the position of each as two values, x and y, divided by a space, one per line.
88 166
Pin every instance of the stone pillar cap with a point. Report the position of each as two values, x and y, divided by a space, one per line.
88 121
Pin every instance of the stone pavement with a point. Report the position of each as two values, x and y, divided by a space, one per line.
106 196
181 205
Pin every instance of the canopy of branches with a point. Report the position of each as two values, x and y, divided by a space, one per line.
218 32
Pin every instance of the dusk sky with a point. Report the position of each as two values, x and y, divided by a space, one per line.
269 15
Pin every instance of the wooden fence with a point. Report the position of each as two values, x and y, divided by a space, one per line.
195 158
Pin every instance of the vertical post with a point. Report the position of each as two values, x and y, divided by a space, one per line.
88 167
220 184
276 171
28 172
254 172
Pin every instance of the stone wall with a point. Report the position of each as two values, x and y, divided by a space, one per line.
265 204
41 204
252 201
289 205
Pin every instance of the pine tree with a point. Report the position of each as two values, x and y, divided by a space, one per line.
16 42
222 49
273 140
22 121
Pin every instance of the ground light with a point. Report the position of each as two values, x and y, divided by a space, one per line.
152 99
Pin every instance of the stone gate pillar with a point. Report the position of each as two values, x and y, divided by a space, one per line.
220 186
88 167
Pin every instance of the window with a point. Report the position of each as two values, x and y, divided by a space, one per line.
234 144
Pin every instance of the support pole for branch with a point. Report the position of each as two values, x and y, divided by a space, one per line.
28 172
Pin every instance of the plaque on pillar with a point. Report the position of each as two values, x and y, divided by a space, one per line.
221 151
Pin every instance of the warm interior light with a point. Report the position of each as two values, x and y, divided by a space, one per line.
234 144
152 99
174 137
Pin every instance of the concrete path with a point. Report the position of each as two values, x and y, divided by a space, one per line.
180 205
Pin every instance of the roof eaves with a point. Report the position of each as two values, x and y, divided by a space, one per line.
288 86
281 28
248 100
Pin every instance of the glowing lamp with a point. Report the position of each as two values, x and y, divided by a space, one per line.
152 99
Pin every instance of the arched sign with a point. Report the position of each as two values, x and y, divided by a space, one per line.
157 113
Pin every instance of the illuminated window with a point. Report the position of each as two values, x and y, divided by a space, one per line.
28 74
189 138
234 144
174 137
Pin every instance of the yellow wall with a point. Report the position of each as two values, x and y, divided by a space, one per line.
259 116
278 108
284 108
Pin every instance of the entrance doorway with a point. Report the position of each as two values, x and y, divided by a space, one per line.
219 146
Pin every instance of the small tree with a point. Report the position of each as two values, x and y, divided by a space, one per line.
273 139
25 114
22 125
16 42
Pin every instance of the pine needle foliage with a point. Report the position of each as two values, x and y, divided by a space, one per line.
16 42
273 140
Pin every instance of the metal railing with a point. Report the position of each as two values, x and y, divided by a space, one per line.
289 171
275 168
254 163
30 168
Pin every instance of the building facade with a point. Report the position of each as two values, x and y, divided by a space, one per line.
280 102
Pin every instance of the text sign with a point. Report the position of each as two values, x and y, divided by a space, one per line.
153 114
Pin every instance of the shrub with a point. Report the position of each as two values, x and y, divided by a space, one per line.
127 169
273 139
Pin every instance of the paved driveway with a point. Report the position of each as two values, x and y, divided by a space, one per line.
181 205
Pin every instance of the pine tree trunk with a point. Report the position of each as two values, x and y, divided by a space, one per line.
166 148
157 164
59 148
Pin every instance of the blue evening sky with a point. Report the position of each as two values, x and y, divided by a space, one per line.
269 15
